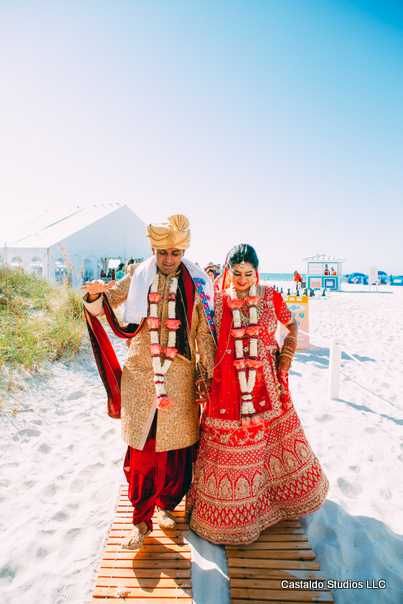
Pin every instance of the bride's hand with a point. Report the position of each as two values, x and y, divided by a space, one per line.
203 391
97 287
284 364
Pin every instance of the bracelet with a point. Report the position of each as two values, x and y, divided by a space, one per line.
286 354
289 346
289 350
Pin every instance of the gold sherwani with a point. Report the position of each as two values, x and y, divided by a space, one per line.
177 426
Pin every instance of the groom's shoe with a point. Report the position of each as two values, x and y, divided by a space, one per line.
134 539
165 519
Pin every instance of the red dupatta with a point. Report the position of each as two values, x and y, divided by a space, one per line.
225 392
105 357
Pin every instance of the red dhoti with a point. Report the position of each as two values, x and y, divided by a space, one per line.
156 479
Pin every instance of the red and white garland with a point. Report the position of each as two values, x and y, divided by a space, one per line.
246 368
162 360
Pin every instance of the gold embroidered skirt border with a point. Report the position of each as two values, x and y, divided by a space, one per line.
254 479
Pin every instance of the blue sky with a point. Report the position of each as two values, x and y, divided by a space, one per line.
274 122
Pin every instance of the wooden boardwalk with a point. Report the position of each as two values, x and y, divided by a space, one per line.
282 553
160 573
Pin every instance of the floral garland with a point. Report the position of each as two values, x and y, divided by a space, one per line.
160 364
252 363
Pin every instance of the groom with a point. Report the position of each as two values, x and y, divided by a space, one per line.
171 300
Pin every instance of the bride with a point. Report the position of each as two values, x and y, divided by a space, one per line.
255 466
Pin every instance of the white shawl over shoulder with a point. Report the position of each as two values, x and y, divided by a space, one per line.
143 276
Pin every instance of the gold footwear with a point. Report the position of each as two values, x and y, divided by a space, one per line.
134 539
165 519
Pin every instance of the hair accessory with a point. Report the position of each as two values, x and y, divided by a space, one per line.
242 264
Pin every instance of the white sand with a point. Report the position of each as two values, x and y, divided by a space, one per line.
60 474
358 438
61 465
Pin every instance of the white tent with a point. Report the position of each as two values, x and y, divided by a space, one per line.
78 245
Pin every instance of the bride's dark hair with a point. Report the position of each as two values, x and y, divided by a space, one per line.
242 253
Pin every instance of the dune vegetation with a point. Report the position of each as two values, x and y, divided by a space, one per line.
38 321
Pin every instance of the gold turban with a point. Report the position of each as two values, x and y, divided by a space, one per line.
163 236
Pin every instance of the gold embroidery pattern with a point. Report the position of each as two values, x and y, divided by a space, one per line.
225 488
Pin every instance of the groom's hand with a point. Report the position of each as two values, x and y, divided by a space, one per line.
94 288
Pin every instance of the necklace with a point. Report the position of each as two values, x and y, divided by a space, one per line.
246 368
162 360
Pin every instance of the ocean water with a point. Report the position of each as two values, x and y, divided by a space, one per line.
279 276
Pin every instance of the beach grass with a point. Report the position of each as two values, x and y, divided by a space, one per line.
38 321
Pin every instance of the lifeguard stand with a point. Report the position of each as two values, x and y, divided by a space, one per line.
324 272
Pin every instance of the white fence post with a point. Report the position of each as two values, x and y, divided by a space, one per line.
334 369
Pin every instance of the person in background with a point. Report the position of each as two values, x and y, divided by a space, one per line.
120 272
326 271
211 271
297 277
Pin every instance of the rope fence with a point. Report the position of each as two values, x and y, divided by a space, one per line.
336 350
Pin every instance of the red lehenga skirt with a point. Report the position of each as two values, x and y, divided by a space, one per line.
249 478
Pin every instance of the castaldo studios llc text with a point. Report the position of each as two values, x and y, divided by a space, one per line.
333 584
